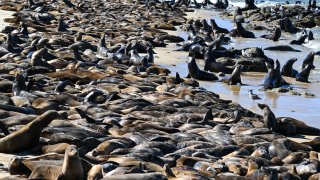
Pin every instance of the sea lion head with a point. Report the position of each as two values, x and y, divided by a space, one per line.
38 53
72 151
261 106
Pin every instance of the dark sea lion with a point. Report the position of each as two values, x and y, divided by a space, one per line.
300 40
308 60
304 74
315 144
310 36
249 5
275 36
196 73
28 136
19 85
287 26
214 26
269 118
212 65
238 17
281 48
269 79
36 60
196 50
287 69
240 31
235 77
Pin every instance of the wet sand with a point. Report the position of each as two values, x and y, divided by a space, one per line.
282 104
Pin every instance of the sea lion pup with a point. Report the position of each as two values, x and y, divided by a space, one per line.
281 48
28 136
304 74
36 60
309 59
196 73
71 168
300 40
287 69
269 118
214 26
275 36
240 31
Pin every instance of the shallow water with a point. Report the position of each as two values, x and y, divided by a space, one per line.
282 104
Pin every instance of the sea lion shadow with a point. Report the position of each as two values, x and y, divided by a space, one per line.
299 136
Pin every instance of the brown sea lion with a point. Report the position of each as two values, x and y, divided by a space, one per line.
28 136
71 168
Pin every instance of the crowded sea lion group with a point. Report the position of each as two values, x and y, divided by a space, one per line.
83 97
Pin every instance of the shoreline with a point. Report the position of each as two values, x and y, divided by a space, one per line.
281 107
135 84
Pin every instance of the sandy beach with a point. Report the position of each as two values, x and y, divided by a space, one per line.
136 119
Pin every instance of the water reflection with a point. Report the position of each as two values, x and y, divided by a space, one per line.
282 104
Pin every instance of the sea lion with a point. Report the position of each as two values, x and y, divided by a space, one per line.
287 69
28 136
308 60
36 60
310 36
145 176
240 31
287 26
71 167
304 74
281 48
269 118
196 73
214 27
213 66
235 77
275 36
300 40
